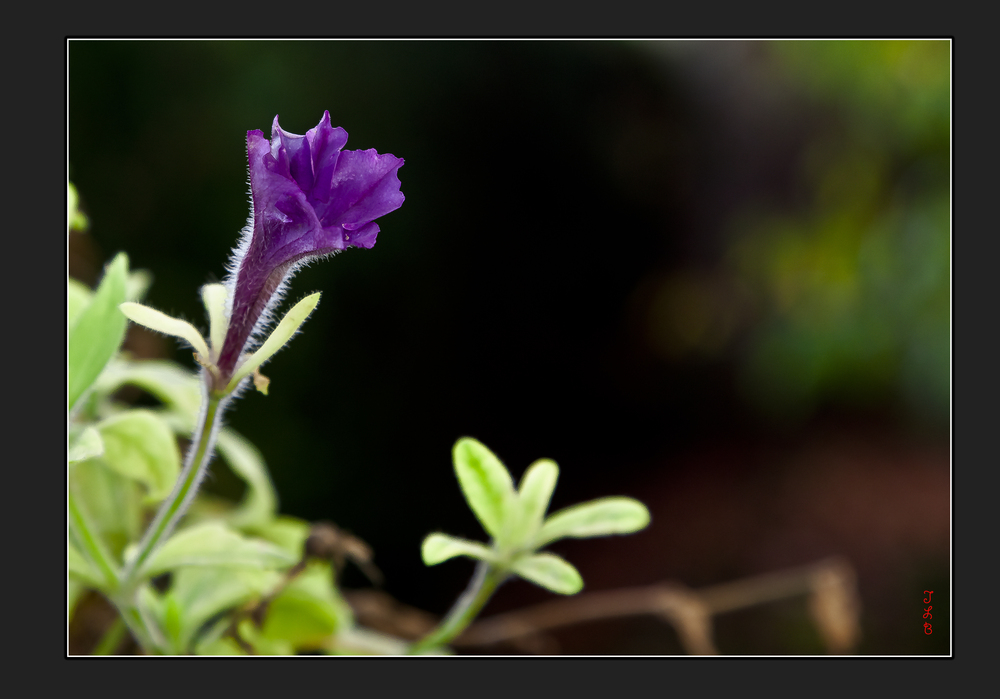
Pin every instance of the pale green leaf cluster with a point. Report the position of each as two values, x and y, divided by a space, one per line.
515 519
123 461
217 560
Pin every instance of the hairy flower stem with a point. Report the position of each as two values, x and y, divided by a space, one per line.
173 508
482 586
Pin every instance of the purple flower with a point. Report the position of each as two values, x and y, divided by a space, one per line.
310 199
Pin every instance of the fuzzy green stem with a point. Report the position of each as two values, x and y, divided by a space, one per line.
176 504
484 583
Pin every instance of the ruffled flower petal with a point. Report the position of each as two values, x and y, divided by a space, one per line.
310 198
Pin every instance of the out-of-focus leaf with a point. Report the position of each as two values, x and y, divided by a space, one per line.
88 445
290 533
261 502
139 445
178 388
549 571
485 482
81 570
76 220
214 544
98 331
199 593
308 611
440 547
78 297
612 515
111 500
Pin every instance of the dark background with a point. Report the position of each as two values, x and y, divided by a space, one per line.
710 275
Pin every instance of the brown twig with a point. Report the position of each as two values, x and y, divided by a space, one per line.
830 583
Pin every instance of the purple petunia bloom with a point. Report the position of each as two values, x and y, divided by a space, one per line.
309 199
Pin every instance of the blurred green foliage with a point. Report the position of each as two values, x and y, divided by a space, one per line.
852 279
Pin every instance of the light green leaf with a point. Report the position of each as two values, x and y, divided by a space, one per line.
81 570
308 611
214 544
260 503
612 515
288 326
87 446
98 331
549 571
78 297
140 445
199 593
111 500
533 497
486 484
177 387
168 325
440 547
290 533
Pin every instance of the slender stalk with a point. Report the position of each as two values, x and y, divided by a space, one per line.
482 586
143 629
96 552
93 547
173 508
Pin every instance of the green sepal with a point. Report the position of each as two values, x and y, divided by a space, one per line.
549 571
288 326
486 485
214 298
438 548
213 544
168 325
138 444
601 517
98 331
